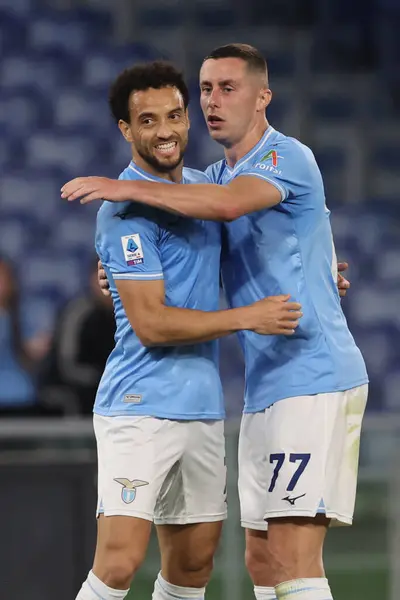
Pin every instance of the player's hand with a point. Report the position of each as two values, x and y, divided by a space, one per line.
88 189
276 315
342 283
102 280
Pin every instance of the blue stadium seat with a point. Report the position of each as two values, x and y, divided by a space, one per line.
282 106
15 236
332 162
34 194
56 275
74 151
366 305
120 153
391 390
101 65
75 107
160 16
12 152
13 32
281 64
18 8
376 346
388 271
43 71
75 231
339 107
386 155
214 15
72 31
22 111
47 33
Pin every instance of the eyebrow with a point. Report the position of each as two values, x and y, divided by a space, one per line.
148 114
222 83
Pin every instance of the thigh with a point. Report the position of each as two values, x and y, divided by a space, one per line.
135 455
187 552
252 483
195 490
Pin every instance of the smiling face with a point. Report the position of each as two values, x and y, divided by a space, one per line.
158 128
233 98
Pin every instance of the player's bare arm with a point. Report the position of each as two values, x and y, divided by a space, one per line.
210 202
157 324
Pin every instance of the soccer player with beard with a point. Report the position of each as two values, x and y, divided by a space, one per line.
305 394
159 407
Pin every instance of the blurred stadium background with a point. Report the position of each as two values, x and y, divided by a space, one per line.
334 72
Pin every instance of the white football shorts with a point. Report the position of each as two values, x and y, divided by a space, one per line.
299 457
169 472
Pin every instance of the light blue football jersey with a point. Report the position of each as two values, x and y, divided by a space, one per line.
288 249
140 243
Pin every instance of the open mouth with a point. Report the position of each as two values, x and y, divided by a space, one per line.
214 119
166 148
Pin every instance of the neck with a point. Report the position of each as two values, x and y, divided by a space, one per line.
175 175
235 152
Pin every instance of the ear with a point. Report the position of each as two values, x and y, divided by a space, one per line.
187 118
264 99
126 131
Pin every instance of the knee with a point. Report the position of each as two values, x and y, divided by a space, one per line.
117 566
192 569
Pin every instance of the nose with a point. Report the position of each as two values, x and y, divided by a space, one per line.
214 98
164 131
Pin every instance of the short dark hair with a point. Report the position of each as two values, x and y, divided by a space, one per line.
157 75
250 55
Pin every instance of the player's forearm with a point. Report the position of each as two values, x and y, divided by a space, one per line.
209 202
179 326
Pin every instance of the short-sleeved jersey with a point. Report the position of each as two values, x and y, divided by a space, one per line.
140 243
288 249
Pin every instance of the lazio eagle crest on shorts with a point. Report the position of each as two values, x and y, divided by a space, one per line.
128 493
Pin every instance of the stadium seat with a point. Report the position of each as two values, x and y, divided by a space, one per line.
75 151
54 275
17 8
85 108
43 71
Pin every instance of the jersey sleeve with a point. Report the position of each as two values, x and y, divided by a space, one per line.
285 166
129 248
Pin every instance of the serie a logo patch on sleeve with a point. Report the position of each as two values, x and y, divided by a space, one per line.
132 247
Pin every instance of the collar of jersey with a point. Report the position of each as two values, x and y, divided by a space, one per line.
144 175
266 137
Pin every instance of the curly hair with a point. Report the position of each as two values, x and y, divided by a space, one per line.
157 75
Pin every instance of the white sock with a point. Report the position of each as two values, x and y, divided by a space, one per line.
313 588
167 591
264 593
94 589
